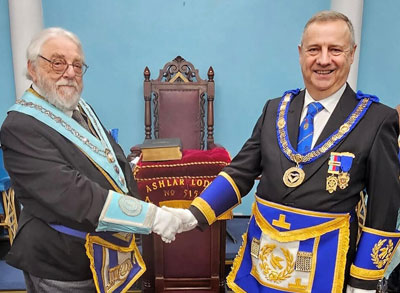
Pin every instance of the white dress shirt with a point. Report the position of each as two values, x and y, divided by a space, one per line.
323 116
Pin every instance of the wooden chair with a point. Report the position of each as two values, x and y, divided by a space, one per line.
178 96
9 219
180 104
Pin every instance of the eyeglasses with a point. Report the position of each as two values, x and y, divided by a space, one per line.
59 66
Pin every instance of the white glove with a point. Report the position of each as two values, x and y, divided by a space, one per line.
133 162
350 289
189 222
166 225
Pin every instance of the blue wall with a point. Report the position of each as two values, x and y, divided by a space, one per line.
379 69
252 46
7 89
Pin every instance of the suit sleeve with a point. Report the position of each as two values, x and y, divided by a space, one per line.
383 189
382 176
234 181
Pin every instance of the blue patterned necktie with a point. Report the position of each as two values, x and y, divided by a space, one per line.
306 130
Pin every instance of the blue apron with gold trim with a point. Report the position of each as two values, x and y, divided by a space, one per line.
115 260
291 250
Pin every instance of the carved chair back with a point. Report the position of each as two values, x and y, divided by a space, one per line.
178 97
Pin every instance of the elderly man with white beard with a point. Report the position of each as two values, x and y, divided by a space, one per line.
73 180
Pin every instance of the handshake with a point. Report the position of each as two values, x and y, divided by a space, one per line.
170 221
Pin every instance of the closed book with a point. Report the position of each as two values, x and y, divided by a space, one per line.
161 149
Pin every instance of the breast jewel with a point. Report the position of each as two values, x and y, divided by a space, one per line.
294 176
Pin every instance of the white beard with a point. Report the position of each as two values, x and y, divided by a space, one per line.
65 98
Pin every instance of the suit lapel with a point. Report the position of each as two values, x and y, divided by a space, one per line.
293 122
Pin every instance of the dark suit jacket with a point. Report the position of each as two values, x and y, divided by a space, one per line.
56 183
375 166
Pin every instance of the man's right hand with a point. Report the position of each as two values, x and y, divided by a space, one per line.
166 225
189 222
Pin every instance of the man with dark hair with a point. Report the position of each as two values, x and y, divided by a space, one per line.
316 149
72 179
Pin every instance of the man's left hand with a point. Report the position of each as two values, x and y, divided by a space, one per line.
189 222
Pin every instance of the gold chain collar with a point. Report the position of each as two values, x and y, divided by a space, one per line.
314 153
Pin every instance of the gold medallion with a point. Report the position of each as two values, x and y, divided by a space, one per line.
331 183
344 128
343 180
281 123
298 158
293 177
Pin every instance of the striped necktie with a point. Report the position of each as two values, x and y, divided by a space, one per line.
306 129
78 117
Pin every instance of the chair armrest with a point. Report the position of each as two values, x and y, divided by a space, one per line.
135 152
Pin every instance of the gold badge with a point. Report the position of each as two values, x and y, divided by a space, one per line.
293 177
331 183
339 166
343 180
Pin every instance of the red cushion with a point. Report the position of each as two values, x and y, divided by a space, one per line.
193 163
179 181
